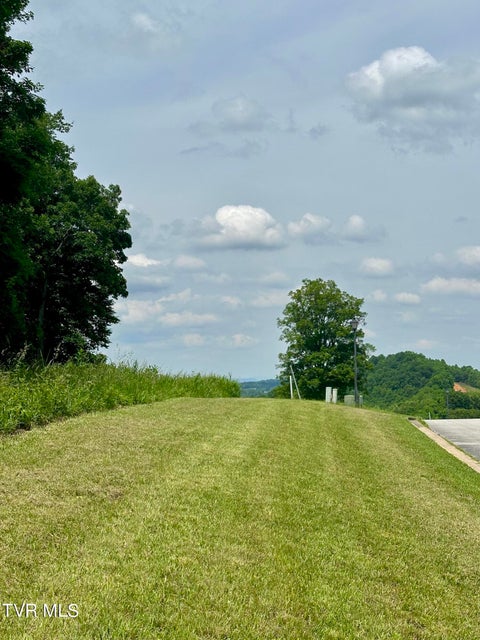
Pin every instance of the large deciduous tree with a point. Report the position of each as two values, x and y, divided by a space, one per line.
316 326
61 238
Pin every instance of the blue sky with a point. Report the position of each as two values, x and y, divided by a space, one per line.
257 144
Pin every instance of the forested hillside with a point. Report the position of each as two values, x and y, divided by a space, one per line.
258 388
410 382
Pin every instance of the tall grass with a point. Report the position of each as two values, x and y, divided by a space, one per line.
32 396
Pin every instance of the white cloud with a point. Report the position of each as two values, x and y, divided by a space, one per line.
181 296
138 311
270 299
189 263
141 260
469 255
378 296
311 228
187 319
376 266
407 298
417 101
145 23
240 340
466 286
212 278
193 340
237 341
232 301
275 278
357 230
241 227
425 343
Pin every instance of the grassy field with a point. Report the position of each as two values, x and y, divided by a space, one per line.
237 519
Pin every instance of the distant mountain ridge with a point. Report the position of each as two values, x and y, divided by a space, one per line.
258 388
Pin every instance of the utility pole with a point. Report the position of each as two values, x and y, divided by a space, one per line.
354 324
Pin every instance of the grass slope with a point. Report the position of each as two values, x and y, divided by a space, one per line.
238 519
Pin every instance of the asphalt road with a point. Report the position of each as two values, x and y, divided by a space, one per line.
464 434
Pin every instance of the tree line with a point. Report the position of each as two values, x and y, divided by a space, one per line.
62 238
317 326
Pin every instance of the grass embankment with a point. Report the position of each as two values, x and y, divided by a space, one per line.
238 519
34 396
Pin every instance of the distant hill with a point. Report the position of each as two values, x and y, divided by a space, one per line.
410 382
258 388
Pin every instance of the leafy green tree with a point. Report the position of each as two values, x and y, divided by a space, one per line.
316 326
61 238
78 252
20 109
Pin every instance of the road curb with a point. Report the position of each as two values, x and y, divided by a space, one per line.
448 446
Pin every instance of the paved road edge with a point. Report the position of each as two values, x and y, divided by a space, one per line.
448 446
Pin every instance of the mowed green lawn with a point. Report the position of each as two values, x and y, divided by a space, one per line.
237 519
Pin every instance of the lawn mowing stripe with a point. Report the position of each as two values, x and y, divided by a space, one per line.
240 519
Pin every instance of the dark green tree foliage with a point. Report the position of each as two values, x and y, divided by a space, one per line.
316 328
411 383
78 250
20 105
399 376
61 238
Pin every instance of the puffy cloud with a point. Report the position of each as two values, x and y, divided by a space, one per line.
181 262
311 228
357 230
138 311
180 296
463 286
407 298
469 255
141 260
241 227
237 341
163 32
376 266
145 23
378 296
417 101
232 301
240 340
314 229
187 319
133 310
